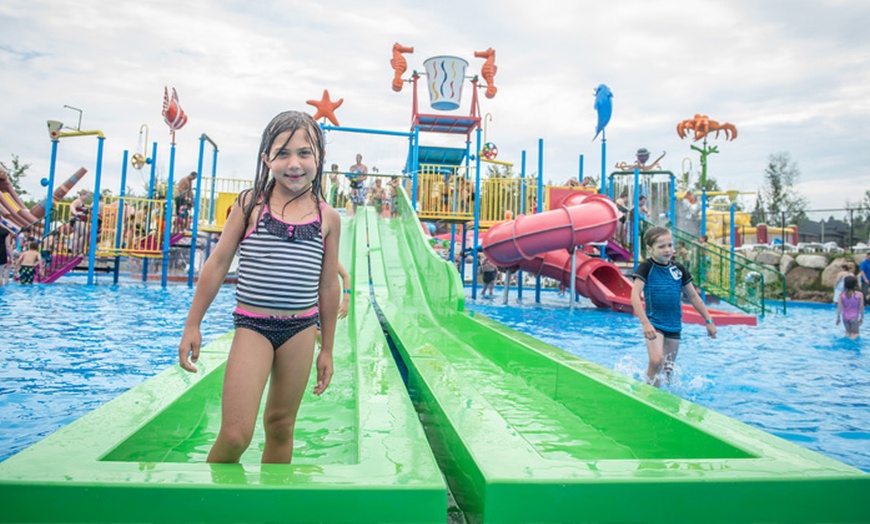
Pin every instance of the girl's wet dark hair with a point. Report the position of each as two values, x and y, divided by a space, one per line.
293 121
652 234
850 283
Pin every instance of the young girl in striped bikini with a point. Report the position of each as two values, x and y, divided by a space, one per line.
288 241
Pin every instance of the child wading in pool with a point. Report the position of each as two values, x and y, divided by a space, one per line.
29 264
287 239
851 306
661 281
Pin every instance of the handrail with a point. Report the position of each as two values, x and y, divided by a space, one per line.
734 278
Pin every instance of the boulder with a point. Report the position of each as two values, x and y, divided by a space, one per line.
785 264
802 277
771 275
770 258
858 258
829 275
812 261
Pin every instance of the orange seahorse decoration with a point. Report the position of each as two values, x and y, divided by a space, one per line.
488 70
400 65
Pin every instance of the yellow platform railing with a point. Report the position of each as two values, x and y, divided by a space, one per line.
131 226
226 190
445 193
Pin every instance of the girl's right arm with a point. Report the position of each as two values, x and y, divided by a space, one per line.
212 276
637 305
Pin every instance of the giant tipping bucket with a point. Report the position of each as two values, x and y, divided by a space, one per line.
446 76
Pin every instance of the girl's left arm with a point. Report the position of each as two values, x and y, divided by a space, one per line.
699 306
330 291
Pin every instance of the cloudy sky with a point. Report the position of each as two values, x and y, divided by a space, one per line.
792 76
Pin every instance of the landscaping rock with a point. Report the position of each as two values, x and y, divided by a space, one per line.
785 264
829 275
812 261
770 258
802 278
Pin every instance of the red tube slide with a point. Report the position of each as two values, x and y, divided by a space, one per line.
591 219
541 244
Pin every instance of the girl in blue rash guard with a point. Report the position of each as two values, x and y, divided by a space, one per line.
287 239
656 298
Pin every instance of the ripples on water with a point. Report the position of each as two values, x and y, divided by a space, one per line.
796 375
69 348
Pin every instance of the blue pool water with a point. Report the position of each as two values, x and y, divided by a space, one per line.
796 376
68 348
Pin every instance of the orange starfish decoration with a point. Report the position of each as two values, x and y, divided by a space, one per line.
326 107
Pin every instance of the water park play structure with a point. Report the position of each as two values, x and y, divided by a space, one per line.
123 226
515 429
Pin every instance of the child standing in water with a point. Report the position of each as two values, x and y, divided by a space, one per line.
660 282
29 264
288 241
850 305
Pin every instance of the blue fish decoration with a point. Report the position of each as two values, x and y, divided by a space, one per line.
604 106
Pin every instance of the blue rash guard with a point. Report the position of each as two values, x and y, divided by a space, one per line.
662 293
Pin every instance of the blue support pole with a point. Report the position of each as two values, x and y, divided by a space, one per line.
49 201
703 211
539 206
635 222
604 165
673 202
153 162
95 212
121 217
476 219
415 156
214 160
196 205
580 171
167 219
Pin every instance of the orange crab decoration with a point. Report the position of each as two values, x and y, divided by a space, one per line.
702 126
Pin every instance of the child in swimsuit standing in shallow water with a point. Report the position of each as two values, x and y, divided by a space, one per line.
288 241
661 282
850 304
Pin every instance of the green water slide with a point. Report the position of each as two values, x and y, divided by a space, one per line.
361 454
525 432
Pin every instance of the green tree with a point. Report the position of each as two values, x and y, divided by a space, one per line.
16 171
757 216
860 215
778 200
712 185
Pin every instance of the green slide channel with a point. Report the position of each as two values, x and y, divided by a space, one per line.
526 432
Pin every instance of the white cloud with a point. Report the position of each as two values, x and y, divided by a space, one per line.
792 76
